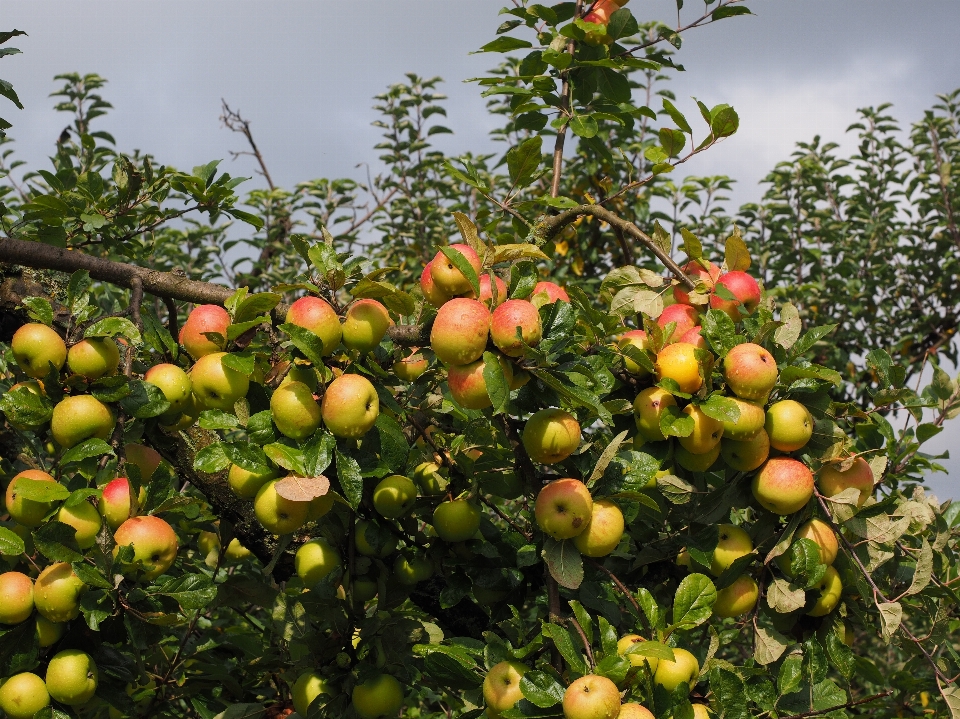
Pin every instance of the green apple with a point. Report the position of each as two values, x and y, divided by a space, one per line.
16 597
301 373
364 325
308 687
145 459
408 570
859 475
215 385
632 710
365 538
750 371
246 484
702 711
204 319
23 695
509 319
789 425
154 544
604 530
830 588
706 434
428 477
35 347
563 508
460 331
783 485
316 315
626 643
81 417
410 368
745 455
176 387
394 496
748 424
72 677
378 696
456 521
696 462
733 544
501 687
591 697
56 593
738 598
85 519
551 435
315 560
236 551
684 669
447 277
319 506
364 589
278 514
350 406
94 357
295 411
648 407
28 512
49 633
118 504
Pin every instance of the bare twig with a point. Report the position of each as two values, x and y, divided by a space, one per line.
565 92
233 121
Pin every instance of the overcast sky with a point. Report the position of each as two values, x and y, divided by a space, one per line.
304 72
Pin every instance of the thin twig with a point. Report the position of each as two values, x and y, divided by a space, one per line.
818 712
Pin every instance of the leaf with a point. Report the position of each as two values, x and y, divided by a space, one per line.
720 408
564 562
85 450
468 231
217 419
691 244
246 456
302 489
11 544
662 238
675 489
462 264
656 650
951 695
497 387
724 121
729 693
784 597
736 256
719 331
285 456
672 141
190 591
524 160
677 116
891 614
351 480
505 44
564 643
306 341
113 326
541 689
609 452
521 251
649 303
693 601
729 11
211 459
39 309
242 711
57 542
39 490
584 126
788 332
769 645
924 569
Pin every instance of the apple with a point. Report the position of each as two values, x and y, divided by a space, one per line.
85 519
702 711
738 598
315 560
175 385
362 540
118 504
236 551
507 319
744 288
35 347
410 368
486 290
49 633
679 362
746 455
319 506
316 315
457 520
278 514
215 385
203 319
638 339
145 459
822 534
378 696
16 597
294 410
693 337
601 11
551 435
23 695
154 544
789 425
696 462
364 325
56 593
696 271
748 424
627 642
603 531
648 407
460 331
94 357
685 318
750 371
72 677
564 508
632 710
246 484
447 277
733 543
546 293
591 697
431 293
304 373
28 512
684 669
830 588
468 386
832 481
308 687
428 478
410 570
80 417
394 496
706 434
783 485
350 406
501 687
364 589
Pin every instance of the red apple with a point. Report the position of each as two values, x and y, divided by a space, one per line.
750 370
552 291
695 270
744 288
431 293
693 337
511 316
316 315
833 481
447 277
783 485
564 508
486 291
460 331
685 316
204 318
468 386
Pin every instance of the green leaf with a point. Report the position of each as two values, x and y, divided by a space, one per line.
351 480
674 423
11 544
91 575
788 332
677 116
541 689
564 562
505 44
287 457
720 331
672 141
524 160
584 126
694 600
924 569
38 490
729 11
609 452
191 591
462 264
721 408
39 309
145 400
25 409
113 326
243 362
246 456
564 643
306 341
656 650
57 542
497 387
519 251
211 459
724 121
691 244
85 450
729 693
812 336
217 419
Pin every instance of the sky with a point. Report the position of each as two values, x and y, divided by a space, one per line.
304 72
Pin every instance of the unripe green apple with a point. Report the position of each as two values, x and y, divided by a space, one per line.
447 277
94 357
428 478
23 695
16 597
460 331
295 411
738 598
49 633
28 512
118 504
591 697
316 315
350 406
72 677
685 669
549 293
679 362
789 425
632 710
750 371
176 387
551 435
364 536
364 589
319 506
456 521
832 481
733 544
56 593
626 642
379 696
278 514
201 320
364 325
783 485
748 424
507 319
830 588
822 534
638 339
315 560
603 531
468 386
301 373
410 368
431 293
85 519
394 496
648 407
35 347
501 687
236 551
208 543
747 454
81 417
563 508
246 484
706 434
215 385
154 543
408 570
696 462
145 459
684 317
308 687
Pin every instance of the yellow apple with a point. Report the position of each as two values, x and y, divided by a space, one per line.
315 560
789 425
591 697
501 687
830 588
603 531
308 687
685 669
734 543
738 598
35 347
746 455
23 695
706 434
551 435
648 407
626 642
679 363
564 508
72 677
379 696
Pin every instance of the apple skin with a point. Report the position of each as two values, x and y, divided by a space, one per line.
822 534
350 406
486 290
460 331
295 411
748 424
276 514
789 425
246 484
81 417
685 669
468 386
501 687
679 363
315 560
23 695
48 633
551 435
94 357
145 459
204 318
215 385
427 476
85 519
551 291
509 316
647 408
379 696
603 531
638 339
72 677
410 368
637 660
175 385
832 481
447 277
702 711
693 337
394 496
830 588
431 293
308 687
744 288
783 485
734 543
685 317
27 512
564 508
154 543
706 434
16 597
738 598
746 455
365 547
410 570
750 371
56 593
632 710
316 315
695 270
456 521
364 325
117 504
591 697
696 462
35 347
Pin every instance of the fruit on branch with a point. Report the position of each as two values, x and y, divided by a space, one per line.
85 519
408 570
696 271
394 496
457 520
204 319
603 531
145 459
278 514
308 687
378 696
783 485
56 593
638 339
350 406
429 479
154 543
366 536
591 697
684 669
304 373
23 695
215 385
693 337
746 455
501 687
246 484
564 508
72 677
315 560
832 481
626 643
468 387
294 410
49 633
830 589
750 371
176 387
316 315
35 347
706 434
733 543
821 534
679 362
410 368
738 598
94 357
551 435
648 408
702 711
460 331
744 288
789 425
546 293
364 325
447 277
486 290
683 317
632 710
81 417
749 422
28 512
509 319
431 293
696 462
16 597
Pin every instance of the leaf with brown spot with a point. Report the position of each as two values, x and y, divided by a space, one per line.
302 489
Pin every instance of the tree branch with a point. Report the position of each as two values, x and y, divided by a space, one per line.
866 700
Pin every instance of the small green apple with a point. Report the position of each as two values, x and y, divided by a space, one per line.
278 514
366 538
85 519
49 633
350 406
603 531
308 687
246 484
23 695
94 357
394 496
56 593
456 521
789 425
696 462
295 411
733 543
428 477
176 387
215 385
379 696
625 643
72 677
738 598
81 417
745 455
648 407
408 570
749 422
35 347
315 560
684 669
27 512
706 434
830 588
364 325
551 435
